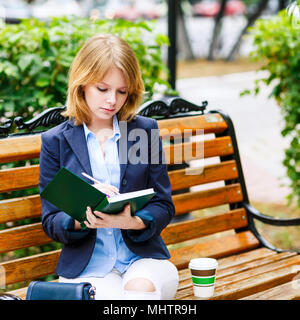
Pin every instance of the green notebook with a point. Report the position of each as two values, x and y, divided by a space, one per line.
71 194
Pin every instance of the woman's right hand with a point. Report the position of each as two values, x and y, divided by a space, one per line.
107 189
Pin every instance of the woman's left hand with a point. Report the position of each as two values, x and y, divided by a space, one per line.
122 220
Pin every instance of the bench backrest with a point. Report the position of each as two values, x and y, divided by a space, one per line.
209 178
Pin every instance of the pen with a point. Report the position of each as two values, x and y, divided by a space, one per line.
91 178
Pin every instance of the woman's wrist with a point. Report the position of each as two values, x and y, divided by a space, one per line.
138 223
77 225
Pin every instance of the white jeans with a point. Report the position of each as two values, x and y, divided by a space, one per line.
162 273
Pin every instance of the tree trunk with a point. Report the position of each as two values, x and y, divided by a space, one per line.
217 30
184 45
282 4
251 19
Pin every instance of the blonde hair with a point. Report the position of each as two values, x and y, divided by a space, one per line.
99 54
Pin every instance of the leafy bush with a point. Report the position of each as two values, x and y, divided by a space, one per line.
35 57
277 44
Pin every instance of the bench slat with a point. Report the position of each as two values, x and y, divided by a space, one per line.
215 248
237 270
232 270
179 153
28 147
23 237
251 269
187 230
242 282
19 178
286 291
263 278
241 258
20 148
28 177
20 208
185 178
210 123
30 268
237 260
30 207
192 201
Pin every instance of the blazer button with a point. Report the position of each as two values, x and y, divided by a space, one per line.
124 182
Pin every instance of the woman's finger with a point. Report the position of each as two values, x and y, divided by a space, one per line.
107 189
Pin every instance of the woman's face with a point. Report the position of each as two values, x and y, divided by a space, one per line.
106 97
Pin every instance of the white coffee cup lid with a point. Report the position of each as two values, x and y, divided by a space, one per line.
203 263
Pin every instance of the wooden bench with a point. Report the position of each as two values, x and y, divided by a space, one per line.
210 192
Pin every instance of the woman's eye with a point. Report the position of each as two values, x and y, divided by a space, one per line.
102 89
122 92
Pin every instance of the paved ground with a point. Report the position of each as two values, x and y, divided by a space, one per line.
257 123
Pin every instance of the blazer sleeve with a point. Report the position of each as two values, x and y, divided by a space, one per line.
160 209
57 224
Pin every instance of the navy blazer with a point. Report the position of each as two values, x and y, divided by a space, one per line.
65 145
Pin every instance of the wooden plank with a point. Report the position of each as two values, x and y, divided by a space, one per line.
21 293
216 248
241 258
26 207
235 271
264 278
187 230
253 281
20 148
20 208
185 178
28 177
286 291
185 152
234 260
224 271
23 237
250 270
191 201
210 123
30 268
19 178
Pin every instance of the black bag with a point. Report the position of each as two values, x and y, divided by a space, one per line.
39 290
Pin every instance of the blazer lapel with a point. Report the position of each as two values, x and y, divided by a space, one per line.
76 139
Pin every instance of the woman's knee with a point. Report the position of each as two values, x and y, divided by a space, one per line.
140 284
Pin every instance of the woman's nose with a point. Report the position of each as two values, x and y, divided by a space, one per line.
111 97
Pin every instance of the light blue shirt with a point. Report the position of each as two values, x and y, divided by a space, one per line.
110 250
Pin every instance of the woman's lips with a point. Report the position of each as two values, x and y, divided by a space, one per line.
108 110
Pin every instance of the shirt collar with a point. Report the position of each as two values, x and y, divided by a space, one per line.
116 129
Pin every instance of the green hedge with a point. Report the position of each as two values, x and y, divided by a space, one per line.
35 57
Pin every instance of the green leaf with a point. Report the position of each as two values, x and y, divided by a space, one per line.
43 82
25 61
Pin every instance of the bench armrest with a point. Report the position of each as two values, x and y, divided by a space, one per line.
270 220
253 213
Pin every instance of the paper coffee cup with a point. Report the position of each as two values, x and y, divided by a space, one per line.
203 272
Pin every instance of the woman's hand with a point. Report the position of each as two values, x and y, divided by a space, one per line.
106 188
122 220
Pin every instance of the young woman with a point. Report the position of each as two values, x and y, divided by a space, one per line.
122 255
